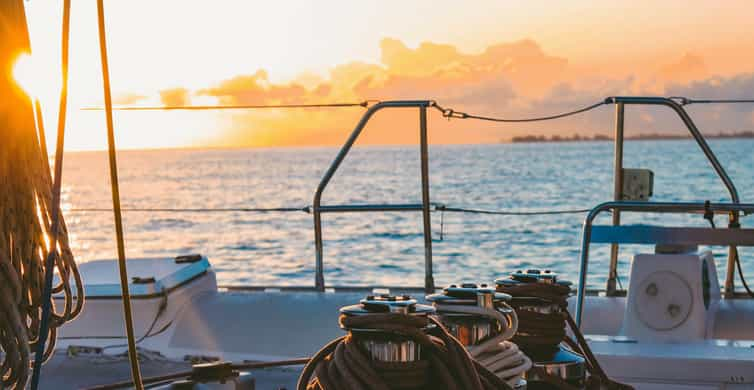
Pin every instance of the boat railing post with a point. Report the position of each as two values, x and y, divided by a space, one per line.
729 286
586 239
319 274
429 282
617 193
711 157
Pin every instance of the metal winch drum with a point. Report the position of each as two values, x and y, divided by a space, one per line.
562 362
383 346
471 329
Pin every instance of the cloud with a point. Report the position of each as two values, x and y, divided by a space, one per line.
128 99
516 79
689 68
175 97
256 89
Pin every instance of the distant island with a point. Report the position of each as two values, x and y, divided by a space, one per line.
601 137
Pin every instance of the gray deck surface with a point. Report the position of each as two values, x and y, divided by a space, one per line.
63 372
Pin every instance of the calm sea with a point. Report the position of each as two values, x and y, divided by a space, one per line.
384 248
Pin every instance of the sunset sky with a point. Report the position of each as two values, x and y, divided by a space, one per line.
507 58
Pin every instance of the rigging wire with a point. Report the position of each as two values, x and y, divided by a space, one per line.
364 104
127 312
201 210
308 210
450 113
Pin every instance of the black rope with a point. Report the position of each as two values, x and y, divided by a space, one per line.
450 113
364 104
710 217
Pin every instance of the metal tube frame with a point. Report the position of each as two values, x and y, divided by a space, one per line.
620 111
620 101
426 206
652 207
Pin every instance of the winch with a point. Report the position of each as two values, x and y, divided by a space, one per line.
480 318
393 342
539 299
386 346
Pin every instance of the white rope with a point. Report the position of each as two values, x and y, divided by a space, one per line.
497 353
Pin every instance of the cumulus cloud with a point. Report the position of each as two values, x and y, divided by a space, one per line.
175 97
128 99
516 79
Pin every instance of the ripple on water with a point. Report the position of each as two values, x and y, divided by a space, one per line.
385 248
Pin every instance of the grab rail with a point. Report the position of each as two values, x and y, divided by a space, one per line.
620 101
645 234
318 209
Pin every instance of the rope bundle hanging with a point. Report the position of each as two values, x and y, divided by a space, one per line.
352 362
28 221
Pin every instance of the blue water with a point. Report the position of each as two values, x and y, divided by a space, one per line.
384 248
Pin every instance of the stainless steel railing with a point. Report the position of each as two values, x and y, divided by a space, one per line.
426 206
318 209
644 234
620 102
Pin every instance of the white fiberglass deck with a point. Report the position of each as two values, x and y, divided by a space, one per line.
200 322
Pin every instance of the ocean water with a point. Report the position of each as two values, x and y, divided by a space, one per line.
385 248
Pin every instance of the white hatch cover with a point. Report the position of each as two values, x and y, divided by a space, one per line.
147 276
664 300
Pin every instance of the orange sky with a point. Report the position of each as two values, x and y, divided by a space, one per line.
505 58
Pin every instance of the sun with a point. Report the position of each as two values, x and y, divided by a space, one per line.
23 73
37 81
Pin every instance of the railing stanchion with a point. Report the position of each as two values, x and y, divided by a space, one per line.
319 278
429 282
620 110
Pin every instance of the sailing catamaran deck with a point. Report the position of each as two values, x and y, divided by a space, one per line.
180 312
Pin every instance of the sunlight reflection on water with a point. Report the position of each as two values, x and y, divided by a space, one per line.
381 248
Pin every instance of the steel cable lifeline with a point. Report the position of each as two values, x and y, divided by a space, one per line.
308 210
128 315
363 104
450 113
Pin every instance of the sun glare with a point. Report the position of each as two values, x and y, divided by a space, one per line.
33 78
23 73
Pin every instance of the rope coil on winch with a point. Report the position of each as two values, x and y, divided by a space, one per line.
486 331
346 363
542 329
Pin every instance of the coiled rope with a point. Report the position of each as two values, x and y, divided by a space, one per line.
540 333
445 364
498 354
33 234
